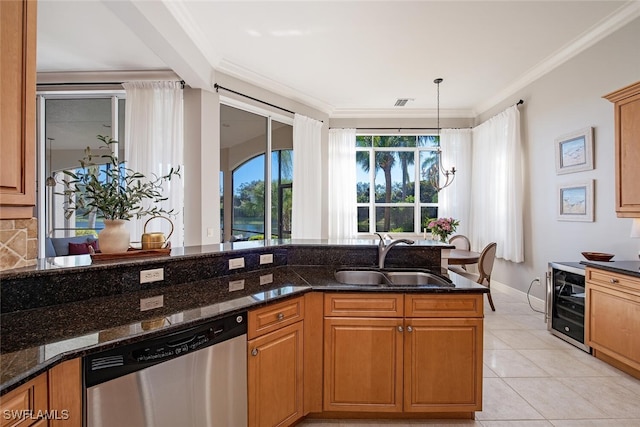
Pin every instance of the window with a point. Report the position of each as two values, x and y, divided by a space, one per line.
72 121
388 199
249 198
255 149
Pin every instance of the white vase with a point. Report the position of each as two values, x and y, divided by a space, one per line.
114 237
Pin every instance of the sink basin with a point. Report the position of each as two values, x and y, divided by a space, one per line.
416 278
400 278
361 277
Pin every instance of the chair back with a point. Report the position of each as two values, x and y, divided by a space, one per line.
485 263
460 242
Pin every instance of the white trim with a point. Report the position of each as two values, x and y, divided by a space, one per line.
401 112
251 108
71 77
607 26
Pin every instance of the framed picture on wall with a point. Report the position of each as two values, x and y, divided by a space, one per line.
574 151
575 201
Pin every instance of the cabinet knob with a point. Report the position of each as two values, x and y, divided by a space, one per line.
613 280
280 316
254 352
409 329
399 328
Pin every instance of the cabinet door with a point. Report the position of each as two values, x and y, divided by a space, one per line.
627 129
20 407
17 108
443 365
363 364
275 376
614 324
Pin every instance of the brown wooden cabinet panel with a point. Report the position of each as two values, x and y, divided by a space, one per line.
364 305
444 306
17 108
612 318
363 364
275 373
627 149
274 316
24 403
443 365
65 394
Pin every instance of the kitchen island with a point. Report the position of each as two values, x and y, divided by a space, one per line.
37 336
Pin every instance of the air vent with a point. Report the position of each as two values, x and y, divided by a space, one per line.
401 102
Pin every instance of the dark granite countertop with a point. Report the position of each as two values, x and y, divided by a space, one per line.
631 268
34 340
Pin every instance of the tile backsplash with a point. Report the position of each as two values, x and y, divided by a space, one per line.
18 243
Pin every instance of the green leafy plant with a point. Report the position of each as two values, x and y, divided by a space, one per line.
117 192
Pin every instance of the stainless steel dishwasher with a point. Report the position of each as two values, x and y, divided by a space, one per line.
192 378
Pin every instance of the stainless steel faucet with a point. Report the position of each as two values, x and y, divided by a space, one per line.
383 248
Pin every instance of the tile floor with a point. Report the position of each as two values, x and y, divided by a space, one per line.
533 379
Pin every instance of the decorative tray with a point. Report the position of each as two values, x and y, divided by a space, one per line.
131 253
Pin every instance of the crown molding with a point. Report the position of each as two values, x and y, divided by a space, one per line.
607 26
104 76
400 112
242 73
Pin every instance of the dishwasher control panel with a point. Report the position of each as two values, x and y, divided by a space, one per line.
106 365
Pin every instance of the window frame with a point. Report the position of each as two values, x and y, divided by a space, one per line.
417 204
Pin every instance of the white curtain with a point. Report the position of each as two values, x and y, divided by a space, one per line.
454 200
154 144
497 186
342 184
307 179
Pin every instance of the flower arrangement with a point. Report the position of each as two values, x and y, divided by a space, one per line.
443 227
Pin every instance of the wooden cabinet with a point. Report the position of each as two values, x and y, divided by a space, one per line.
411 353
275 364
613 318
51 399
627 149
17 108
25 403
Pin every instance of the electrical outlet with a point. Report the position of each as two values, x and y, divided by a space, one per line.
537 279
151 302
236 263
236 285
155 275
209 232
266 258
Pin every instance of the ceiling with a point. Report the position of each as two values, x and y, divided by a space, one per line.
345 58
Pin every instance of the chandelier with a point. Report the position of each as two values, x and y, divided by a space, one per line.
450 174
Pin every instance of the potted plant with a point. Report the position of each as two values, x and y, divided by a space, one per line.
117 192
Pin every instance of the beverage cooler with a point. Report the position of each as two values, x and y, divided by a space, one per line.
566 302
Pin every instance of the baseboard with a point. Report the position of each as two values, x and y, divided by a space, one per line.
536 302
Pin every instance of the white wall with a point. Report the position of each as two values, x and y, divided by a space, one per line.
567 99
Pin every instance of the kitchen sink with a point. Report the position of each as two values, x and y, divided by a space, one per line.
417 278
361 277
400 278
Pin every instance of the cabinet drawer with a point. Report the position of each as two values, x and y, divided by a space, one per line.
444 305
363 305
613 280
274 316
19 407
